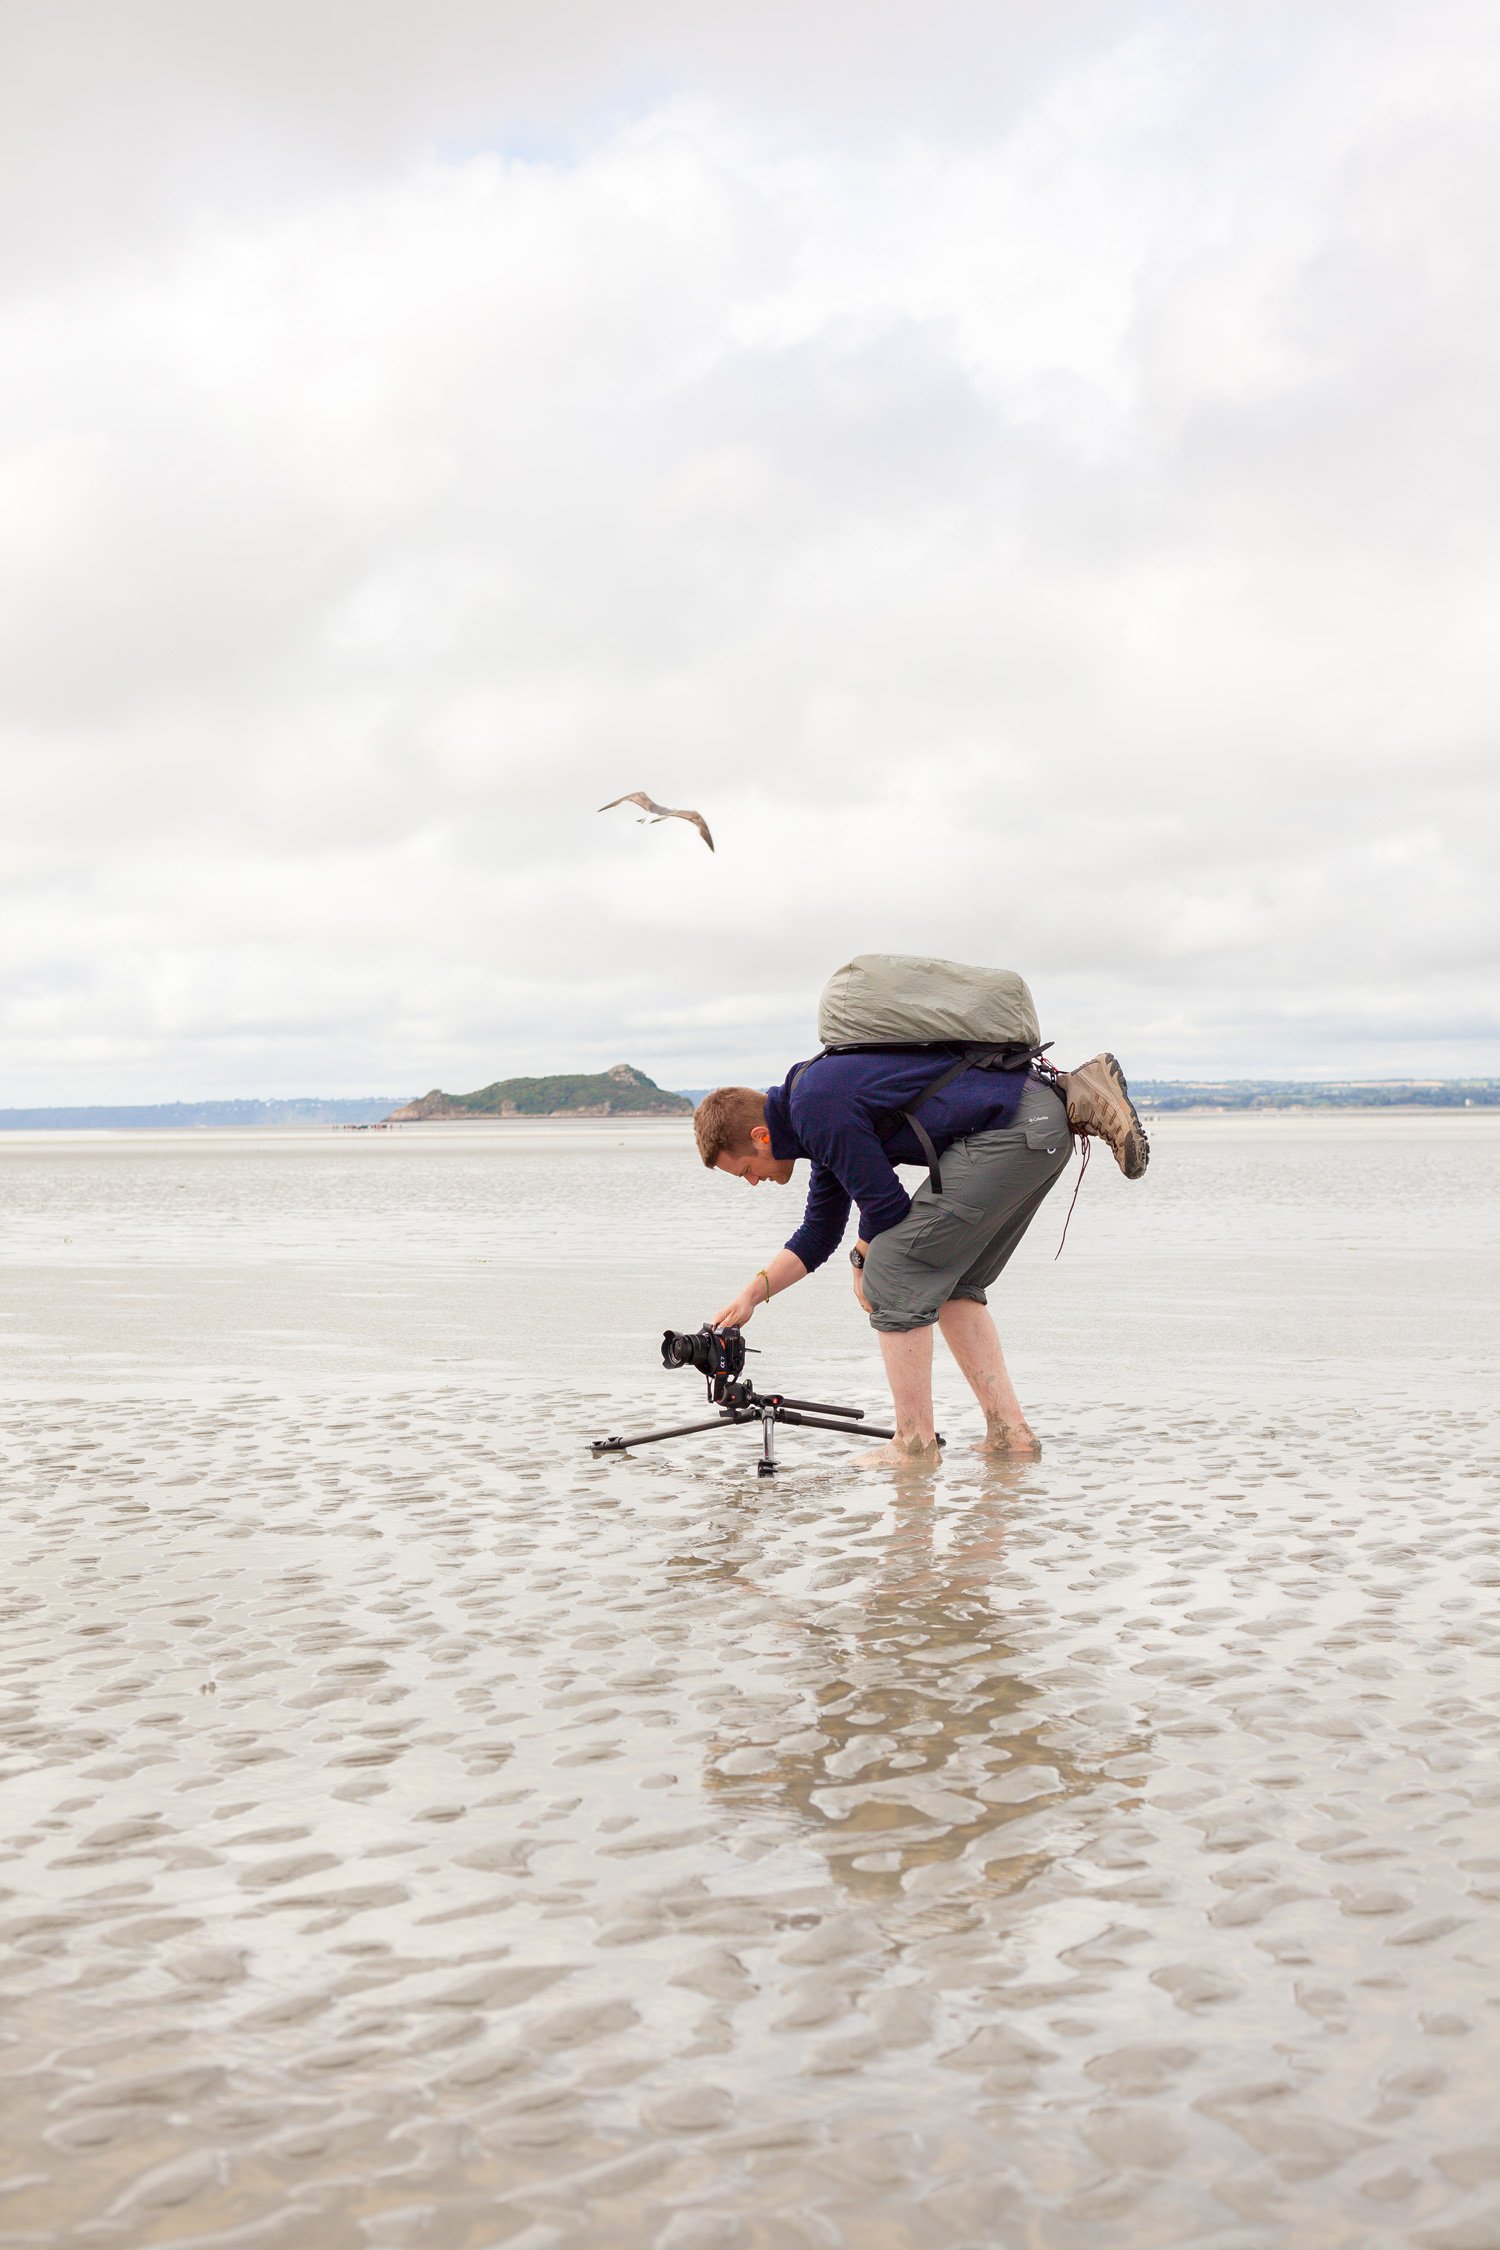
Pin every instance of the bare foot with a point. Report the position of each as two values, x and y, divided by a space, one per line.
901 1453
1010 1437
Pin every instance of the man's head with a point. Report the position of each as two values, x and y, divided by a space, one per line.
732 1134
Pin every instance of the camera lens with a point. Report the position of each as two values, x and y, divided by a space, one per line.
678 1350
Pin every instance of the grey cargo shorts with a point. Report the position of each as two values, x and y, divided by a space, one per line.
956 1243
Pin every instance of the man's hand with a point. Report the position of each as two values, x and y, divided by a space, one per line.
737 1313
778 1273
859 1280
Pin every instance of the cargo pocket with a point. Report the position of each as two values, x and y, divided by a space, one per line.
943 1231
1046 1140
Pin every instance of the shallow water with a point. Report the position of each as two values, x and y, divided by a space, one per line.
419 1833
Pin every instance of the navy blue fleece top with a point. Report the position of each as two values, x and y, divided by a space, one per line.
829 1114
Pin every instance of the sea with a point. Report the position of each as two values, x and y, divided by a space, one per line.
419 1831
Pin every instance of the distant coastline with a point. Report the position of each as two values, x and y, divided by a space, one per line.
626 1092
198 1116
1215 1097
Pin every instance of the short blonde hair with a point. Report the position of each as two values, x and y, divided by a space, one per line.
723 1119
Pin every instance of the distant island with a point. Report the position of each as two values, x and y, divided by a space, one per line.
620 1092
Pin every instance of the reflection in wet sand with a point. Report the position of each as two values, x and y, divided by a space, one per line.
924 1750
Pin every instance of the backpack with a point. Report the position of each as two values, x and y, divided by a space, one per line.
907 1000
983 1019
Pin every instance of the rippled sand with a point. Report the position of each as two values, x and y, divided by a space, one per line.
419 1833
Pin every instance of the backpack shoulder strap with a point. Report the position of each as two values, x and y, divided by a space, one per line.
803 1068
971 1058
923 1137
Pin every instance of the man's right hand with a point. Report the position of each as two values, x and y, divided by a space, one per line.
778 1273
737 1313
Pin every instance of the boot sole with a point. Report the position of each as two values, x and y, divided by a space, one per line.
1136 1152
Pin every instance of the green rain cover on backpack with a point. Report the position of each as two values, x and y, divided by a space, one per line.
909 999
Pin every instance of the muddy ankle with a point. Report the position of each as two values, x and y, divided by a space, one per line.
901 1453
1010 1437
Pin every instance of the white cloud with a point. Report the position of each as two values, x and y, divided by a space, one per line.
1061 531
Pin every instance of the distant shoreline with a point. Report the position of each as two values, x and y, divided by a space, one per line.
1156 1098
1198 1097
1317 1109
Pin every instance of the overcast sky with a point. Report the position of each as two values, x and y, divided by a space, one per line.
1029 473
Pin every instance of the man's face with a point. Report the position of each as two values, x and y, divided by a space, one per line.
756 1163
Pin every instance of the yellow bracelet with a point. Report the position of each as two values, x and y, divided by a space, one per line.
762 1275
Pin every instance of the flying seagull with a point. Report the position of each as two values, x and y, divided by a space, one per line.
661 812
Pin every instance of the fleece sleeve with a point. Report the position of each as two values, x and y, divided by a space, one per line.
848 1146
824 1220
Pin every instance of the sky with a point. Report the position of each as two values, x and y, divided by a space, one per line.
1028 473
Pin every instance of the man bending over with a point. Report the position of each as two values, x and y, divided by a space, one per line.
1003 1138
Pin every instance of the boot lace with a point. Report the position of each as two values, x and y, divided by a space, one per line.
1088 1143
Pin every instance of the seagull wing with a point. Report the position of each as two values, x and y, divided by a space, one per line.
636 797
661 812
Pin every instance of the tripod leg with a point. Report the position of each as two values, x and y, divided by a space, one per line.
825 1422
766 1465
654 1437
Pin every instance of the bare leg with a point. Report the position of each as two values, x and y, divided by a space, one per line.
974 1341
908 1370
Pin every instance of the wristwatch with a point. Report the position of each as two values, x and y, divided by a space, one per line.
857 1259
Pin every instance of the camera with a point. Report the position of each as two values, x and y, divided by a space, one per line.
713 1351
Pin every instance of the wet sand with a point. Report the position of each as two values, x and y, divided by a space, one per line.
419 1833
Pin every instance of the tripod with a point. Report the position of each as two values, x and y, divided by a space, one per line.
737 1402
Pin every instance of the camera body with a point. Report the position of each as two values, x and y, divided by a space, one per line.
717 1353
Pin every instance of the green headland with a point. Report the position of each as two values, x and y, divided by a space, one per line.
620 1092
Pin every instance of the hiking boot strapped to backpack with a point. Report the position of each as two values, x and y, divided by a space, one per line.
1099 1102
